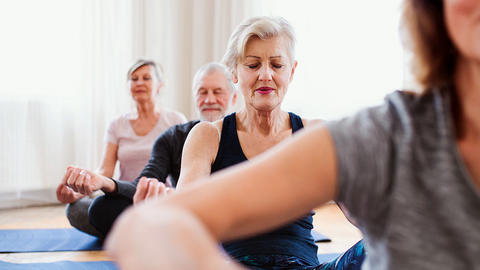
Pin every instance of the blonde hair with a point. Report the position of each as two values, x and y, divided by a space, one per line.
257 27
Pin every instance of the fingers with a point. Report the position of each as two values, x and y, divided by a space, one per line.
67 174
59 190
149 188
141 191
62 192
71 177
66 195
79 180
155 188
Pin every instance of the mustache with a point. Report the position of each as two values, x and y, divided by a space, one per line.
210 107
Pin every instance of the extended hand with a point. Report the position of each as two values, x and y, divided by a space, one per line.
151 236
82 181
150 188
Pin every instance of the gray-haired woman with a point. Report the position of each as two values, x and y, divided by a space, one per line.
129 139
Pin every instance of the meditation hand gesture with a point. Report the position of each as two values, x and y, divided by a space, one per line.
85 182
150 188
66 194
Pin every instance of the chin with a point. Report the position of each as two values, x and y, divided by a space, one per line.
265 106
211 116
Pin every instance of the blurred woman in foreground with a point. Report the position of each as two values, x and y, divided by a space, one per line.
407 171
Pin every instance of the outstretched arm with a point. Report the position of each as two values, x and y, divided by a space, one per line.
274 188
278 186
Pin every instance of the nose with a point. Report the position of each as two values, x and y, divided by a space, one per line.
265 73
211 99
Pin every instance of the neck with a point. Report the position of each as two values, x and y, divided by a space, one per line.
146 109
264 122
467 83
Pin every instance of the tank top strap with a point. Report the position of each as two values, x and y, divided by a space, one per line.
295 122
229 149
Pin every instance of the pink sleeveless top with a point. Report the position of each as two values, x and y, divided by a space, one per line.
133 150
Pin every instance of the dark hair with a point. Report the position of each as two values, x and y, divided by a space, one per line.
434 54
157 69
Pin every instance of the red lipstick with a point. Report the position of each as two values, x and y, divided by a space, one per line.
264 90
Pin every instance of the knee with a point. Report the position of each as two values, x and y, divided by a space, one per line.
104 210
77 212
97 210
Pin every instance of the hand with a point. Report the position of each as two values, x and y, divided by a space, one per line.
66 194
150 188
149 236
82 181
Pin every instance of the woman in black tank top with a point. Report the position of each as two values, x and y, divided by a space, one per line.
262 70
263 73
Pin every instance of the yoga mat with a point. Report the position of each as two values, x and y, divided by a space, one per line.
39 240
318 237
328 257
63 265
101 265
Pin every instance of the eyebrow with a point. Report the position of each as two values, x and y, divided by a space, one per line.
277 56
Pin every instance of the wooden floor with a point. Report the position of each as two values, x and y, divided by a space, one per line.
328 220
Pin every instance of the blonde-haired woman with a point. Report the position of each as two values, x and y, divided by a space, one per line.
261 58
407 170
129 139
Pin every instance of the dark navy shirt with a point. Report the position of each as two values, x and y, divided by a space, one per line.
294 239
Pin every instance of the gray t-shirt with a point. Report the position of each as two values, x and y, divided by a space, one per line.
404 182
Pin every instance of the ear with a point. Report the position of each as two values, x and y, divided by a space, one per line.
234 77
294 66
234 98
159 86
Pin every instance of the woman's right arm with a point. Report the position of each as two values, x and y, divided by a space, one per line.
199 153
107 167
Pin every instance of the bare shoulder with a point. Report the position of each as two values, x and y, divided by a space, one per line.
311 122
205 133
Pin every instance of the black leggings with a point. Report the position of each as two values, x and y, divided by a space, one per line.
104 210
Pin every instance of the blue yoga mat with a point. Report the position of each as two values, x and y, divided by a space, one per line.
328 257
39 240
63 265
318 237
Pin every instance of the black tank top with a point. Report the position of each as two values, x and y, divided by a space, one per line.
294 239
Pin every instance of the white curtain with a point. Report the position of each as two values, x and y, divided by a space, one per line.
349 54
63 74
64 77
64 64
185 34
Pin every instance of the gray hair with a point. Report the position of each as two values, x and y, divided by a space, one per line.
262 27
157 69
210 68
